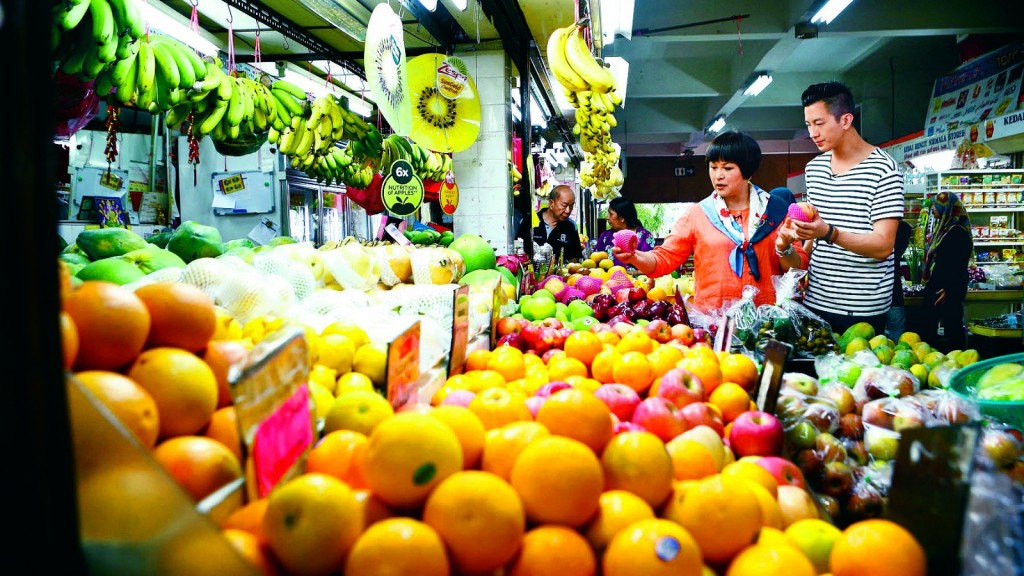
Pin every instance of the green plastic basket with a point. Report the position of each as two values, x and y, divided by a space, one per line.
964 381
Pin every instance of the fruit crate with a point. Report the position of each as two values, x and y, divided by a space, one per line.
964 382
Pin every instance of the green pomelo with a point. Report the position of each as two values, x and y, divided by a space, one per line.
879 340
477 253
854 344
114 269
99 243
904 358
884 353
153 258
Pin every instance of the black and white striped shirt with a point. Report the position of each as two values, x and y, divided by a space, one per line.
840 281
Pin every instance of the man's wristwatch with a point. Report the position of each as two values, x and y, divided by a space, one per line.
831 232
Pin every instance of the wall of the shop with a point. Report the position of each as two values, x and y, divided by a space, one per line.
485 199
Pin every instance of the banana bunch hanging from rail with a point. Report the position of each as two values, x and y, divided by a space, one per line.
90 36
427 164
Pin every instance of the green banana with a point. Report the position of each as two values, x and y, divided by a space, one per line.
290 88
287 100
213 118
126 89
103 83
126 45
176 50
125 15
165 64
145 83
212 79
177 114
226 88
72 15
102 21
235 108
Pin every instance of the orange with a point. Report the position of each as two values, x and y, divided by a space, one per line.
503 445
664 359
553 550
603 365
198 464
468 428
559 480
634 370
706 368
771 513
653 547
112 322
221 355
703 350
584 384
691 460
249 547
741 369
126 505
496 407
480 380
130 402
609 337
477 359
181 315
583 346
730 399
563 367
555 355
248 517
507 361
340 453
480 518
617 509
723 517
638 462
673 506
635 341
352 381
223 427
68 339
183 386
772 560
373 508
398 546
748 470
311 521
579 415
408 455
359 411
336 351
878 547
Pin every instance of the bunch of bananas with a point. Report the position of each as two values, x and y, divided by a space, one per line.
590 88
338 166
89 36
312 135
427 164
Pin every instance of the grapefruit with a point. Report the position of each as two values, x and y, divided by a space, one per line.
475 251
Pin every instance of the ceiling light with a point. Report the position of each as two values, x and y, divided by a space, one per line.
163 22
460 4
761 82
616 18
430 5
829 11
361 107
349 17
717 124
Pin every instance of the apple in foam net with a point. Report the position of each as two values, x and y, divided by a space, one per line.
681 387
660 417
621 399
756 433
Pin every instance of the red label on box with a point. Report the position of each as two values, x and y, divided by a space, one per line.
281 439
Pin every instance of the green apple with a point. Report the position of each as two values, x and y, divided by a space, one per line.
538 308
544 293
849 373
584 323
579 309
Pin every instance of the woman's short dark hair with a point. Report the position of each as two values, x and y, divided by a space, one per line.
738 148
837 97
626 210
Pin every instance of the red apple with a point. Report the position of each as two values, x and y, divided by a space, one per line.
784 471
659 330
879 413
546 356
701 335
623 328
796 504
625 426
534 403
551 322
842 396
681 387
548 339
458 398
622 295
551 387
508 325
637 294
684 334
698 413
660 417
513 339
529 333
756 433
621 399
802 383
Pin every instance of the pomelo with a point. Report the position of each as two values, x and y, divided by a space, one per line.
476 252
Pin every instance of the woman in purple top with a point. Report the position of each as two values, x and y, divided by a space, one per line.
622 216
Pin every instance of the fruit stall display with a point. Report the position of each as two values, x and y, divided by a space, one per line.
601 434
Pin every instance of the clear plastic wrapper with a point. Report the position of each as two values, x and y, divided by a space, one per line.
743 313
883 382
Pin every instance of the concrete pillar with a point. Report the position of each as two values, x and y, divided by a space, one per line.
485 187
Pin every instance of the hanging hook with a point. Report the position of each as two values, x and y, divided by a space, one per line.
257 29
231 17
286 45
195 3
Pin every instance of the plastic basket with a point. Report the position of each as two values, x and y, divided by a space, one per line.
964 381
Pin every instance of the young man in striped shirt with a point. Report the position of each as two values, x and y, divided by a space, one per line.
858 191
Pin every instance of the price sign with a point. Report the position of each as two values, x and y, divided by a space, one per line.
232 184
449 194
403 371
460 331
402 189
775 356
111 180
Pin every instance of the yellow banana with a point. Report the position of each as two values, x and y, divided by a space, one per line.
578 55
213 118
560 67
236 108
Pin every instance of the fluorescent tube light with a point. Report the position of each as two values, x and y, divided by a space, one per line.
718 124
343 16
759 84
460 4
430 5
361 107
163 22
829 11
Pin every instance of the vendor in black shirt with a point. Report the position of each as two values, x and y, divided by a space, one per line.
556 229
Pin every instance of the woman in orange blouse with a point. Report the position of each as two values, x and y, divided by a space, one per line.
736 235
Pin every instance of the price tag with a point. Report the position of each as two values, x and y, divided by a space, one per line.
402 189
775 356
281 439
403 363
449 194
460 331
232 184
111 180
931 487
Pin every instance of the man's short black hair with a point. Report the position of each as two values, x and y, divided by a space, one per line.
738 148
837 97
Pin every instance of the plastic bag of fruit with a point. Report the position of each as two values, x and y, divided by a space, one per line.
813 334
743 313
884 382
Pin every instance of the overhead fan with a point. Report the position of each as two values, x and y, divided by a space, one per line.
386 73
446 104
